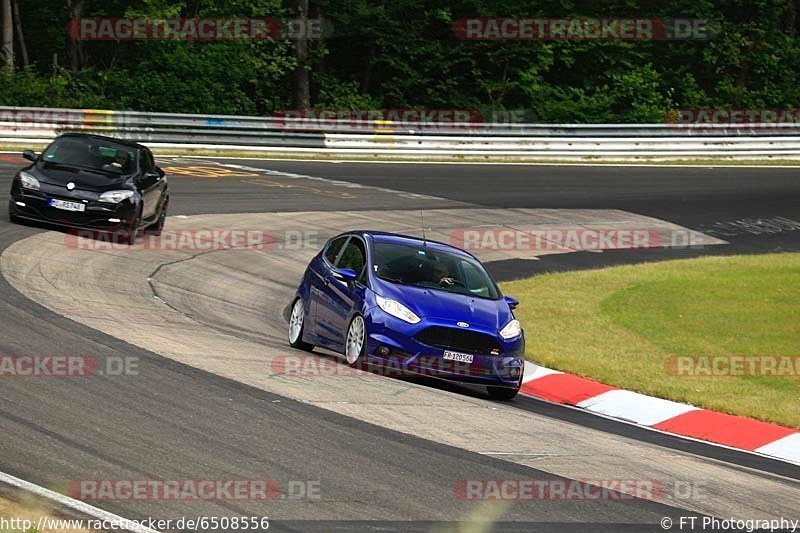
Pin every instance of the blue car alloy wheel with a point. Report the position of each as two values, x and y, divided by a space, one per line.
409 306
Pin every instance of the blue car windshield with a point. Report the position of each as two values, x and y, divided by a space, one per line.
422 266
93 154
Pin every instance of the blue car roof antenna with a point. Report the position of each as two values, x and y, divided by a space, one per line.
422 221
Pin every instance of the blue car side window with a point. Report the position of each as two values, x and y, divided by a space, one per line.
333 248
354 257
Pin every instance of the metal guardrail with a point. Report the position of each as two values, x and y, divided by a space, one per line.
169 131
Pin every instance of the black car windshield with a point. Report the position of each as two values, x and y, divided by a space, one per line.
422 266
93 154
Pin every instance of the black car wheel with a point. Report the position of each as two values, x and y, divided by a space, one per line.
11 216
130 235
158 227
502 394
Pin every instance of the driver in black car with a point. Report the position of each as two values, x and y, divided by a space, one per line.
121 162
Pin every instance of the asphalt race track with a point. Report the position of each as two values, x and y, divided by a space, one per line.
387 454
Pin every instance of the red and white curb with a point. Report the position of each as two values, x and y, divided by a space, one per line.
682 419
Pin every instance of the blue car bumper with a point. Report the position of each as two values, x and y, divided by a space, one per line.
419 349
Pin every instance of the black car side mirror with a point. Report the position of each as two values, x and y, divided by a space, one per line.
154 175
30 155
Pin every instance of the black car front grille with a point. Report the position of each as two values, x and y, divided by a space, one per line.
460 340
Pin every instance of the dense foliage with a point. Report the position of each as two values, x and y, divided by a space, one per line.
404 53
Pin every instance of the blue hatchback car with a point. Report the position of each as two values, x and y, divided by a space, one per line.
412 306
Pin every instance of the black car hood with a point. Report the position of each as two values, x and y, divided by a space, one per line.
87 180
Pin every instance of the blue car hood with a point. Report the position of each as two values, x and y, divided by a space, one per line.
491 315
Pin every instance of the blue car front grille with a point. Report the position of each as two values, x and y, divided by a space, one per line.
460 340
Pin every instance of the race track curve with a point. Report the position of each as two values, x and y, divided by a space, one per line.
212 398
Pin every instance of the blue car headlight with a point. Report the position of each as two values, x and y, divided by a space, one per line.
28 181
397 310
513 329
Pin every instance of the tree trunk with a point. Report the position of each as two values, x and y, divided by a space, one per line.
74 46
8 34
368 64
790 18
319 65
23 50
301 96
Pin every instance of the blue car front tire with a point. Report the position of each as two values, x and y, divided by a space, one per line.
355 345
502 394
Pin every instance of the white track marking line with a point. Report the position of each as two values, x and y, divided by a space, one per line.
76 505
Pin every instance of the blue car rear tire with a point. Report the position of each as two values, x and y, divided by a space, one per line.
297 325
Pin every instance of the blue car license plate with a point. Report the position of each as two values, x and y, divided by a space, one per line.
456 356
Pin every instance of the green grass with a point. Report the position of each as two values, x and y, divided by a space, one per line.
620 325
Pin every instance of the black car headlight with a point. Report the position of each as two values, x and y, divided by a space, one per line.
28 181
115 197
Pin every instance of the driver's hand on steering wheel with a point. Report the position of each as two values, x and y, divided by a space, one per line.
447 281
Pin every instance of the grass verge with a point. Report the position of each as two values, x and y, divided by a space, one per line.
622 325
23 510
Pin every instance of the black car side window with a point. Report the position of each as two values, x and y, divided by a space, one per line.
333 249
145 163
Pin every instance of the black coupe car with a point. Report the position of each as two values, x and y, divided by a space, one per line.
93 182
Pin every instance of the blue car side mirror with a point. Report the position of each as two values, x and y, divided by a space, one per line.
513 303
345 274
